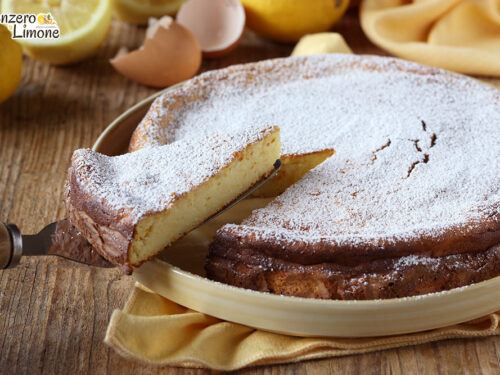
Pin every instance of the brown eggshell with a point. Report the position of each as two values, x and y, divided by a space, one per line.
218 25
170 54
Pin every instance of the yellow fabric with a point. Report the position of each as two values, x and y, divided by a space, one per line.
157 331
458 35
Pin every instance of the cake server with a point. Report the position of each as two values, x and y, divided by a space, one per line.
61 239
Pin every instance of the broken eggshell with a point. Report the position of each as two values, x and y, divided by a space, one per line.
170 54
218 25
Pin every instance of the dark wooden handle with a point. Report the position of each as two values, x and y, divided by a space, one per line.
5 246
11 247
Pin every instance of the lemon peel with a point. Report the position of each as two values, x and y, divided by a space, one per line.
289 20
11 61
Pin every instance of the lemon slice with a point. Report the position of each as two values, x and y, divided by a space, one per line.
139 11
83 25
11 61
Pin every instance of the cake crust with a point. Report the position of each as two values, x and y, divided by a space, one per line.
380 279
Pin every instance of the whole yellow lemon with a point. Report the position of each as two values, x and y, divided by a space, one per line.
289 20
11 61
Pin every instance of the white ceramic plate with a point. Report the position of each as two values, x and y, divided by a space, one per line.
178 275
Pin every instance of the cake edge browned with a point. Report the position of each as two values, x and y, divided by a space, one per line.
380 279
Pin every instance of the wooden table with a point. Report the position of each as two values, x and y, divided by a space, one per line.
54 313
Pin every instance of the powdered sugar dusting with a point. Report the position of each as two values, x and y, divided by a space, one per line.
417 148
150 180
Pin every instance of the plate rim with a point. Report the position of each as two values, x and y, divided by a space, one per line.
362 303
297 316
139 105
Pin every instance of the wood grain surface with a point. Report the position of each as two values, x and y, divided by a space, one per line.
54 313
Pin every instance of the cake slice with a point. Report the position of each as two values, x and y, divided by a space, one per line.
132 206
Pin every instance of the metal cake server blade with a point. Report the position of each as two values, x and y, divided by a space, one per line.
60 238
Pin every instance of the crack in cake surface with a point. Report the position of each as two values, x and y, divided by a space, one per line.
381 148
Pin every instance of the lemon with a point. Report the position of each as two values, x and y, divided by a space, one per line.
139 11
289 20
11 61
83 24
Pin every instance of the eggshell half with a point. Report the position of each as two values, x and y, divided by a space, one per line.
170 54
217 24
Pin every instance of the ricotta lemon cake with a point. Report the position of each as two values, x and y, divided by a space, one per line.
130 207
409 204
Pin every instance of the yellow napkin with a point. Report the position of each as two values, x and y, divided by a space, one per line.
157 331
459 35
